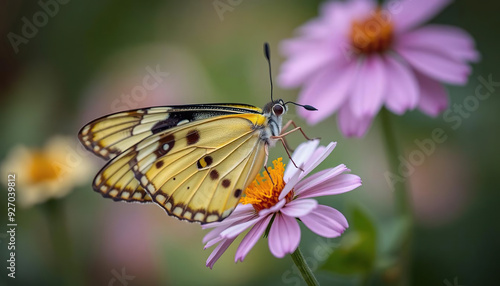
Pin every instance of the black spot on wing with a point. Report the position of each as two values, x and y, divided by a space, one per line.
226 183
159 164
237 193
204 162
209 160
192 137
214 175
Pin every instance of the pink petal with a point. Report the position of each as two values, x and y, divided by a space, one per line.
212 234
327 90
304 45
339 14
439 67
251 239
444 40
212 242
412 13
350 125
235 230
290 184
334 19
290 47
433 96
301 154
284 236
402 88
369 87
338 185
299 67
272 209
318 178
297 208
313 29
308 179
241 212
218 251
316 158
319 156
325 221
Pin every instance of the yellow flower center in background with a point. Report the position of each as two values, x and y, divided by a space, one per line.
262 193
41 168
374 34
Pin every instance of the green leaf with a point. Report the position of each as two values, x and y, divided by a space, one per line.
357 249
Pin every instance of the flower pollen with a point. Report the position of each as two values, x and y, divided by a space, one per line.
263 193
374 34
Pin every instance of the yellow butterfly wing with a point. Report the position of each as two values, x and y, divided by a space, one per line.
196 171
111 135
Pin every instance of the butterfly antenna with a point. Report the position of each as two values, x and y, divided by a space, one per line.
267 53
307 107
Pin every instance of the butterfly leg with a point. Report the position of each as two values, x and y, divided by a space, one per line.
269 175
285 127
287 146
291 122
280 137
266 148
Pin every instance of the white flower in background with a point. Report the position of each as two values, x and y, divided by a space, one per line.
49 172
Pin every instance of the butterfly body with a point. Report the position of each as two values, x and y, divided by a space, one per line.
195 161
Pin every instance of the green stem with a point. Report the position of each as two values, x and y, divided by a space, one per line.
65 262
401 195
305 271
392 151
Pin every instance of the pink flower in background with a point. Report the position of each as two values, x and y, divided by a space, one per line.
283 200
357 57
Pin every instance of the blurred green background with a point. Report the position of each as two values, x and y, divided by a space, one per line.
89 54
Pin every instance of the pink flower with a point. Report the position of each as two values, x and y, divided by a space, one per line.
357 57
281 201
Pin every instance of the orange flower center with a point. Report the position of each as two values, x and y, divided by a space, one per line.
263 193
41 168
374 34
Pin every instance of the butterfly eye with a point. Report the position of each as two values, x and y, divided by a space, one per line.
278 109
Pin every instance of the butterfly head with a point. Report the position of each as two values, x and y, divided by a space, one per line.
275 110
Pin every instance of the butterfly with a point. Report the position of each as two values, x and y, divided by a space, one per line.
195 161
